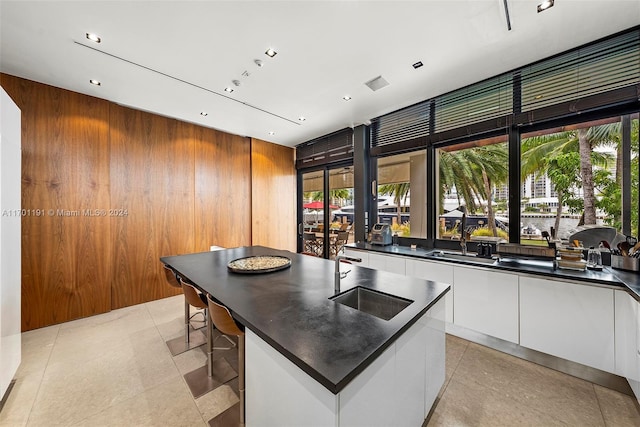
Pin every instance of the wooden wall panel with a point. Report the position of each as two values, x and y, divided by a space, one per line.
222 190
152 163
273 195
117 188
66 255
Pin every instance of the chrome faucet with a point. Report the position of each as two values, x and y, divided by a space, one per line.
463 225
338 275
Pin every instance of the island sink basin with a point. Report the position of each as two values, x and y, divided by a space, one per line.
381 305
471 258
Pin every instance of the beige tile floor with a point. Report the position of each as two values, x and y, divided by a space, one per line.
115 370
484 387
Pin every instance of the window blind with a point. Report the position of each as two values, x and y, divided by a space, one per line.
332 148
598 68
475 103
602 74
408 124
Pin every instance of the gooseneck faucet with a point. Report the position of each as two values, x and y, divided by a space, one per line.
337 273
463 232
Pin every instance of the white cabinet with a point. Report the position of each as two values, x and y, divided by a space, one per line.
635 384
438 272
398 388
363 255
627 336
10 275
571 321
384 262
486 301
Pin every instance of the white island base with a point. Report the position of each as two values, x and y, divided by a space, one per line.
398 388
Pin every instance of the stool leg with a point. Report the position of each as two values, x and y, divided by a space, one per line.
241 377
209 326
187 313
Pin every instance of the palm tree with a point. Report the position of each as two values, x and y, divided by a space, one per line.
399 192
474 173
494 160
538 151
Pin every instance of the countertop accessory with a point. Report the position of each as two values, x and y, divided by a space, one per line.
625 263
381 234
623 247
516 250
547 237
594 259
259 264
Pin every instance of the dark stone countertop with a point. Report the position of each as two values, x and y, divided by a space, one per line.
290 309
627 280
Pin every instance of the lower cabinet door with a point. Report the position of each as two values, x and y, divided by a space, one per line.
626 338
571 321
390 263
486 301
438 272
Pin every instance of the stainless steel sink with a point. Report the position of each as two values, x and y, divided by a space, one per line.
471 258
376 303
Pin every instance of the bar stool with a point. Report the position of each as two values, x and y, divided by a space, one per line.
222 319
215 372
192 338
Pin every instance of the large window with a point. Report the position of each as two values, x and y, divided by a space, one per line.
573 162
402 195
473 180
574 178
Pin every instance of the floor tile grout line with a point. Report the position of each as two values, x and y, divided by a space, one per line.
44 371
444 387
173 359
595 393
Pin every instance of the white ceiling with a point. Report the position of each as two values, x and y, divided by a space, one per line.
326 49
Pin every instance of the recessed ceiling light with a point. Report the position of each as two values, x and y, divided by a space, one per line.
95 82
417 65
302 119
228 89
271 53
93 37
346 97
546 4
258 62
204 113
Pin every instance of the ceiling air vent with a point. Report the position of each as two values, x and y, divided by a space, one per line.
377 83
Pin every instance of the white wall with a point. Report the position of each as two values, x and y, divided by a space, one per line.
10 219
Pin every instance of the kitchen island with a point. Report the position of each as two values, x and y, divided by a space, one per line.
313 361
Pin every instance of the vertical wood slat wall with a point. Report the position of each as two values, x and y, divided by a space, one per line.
184 189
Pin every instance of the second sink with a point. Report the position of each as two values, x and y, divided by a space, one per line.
379 304
471 258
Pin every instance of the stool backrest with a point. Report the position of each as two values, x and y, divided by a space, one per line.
222 319
192 295
171 276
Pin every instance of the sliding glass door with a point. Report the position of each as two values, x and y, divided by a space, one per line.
326 211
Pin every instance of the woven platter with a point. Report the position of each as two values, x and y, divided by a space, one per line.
259 264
